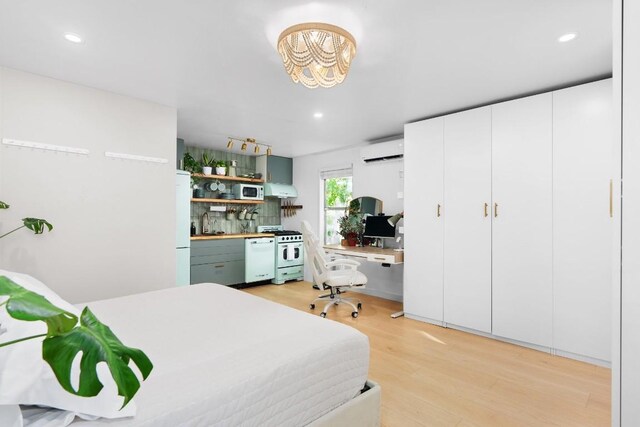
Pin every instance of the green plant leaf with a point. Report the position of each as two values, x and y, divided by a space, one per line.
26 305
98 344
36 225
3 205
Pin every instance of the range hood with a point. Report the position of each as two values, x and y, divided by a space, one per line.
281 191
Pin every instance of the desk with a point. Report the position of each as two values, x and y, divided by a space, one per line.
372 254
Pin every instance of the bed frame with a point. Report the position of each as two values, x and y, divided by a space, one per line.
361 411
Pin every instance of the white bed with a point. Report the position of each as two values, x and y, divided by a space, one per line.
224 358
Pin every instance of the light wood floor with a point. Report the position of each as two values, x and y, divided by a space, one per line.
432 376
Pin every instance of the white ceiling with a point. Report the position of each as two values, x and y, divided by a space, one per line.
216 60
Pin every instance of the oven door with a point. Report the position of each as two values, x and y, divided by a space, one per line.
290 254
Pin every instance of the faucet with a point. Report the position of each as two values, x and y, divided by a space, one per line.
205 225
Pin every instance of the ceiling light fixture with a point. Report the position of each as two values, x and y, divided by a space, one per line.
245 144
566 37
316 54
318 115
73 38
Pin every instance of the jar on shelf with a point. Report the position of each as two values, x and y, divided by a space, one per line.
232 167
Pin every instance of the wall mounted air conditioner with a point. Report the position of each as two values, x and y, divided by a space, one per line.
383 151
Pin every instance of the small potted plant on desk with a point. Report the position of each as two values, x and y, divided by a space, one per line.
350 228
221 167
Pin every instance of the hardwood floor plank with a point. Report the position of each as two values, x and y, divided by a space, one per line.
434 376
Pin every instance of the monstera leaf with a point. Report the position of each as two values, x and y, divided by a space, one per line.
65 339
26 305
36 224
98 344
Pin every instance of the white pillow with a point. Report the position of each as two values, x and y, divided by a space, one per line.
25 378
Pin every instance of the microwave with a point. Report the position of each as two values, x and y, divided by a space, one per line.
248 192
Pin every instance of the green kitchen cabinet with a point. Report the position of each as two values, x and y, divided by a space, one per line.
276 169
217 261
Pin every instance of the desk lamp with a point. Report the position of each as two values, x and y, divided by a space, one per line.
393 221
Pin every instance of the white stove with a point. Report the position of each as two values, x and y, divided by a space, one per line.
289 253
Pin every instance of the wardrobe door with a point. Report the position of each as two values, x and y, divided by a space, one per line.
467 221
522 232
582 226
423 195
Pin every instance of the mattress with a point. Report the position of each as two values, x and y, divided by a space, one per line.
226 358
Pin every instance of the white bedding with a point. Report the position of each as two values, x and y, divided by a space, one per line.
225 358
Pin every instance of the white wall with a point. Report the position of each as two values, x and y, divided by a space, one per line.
114 220
380 180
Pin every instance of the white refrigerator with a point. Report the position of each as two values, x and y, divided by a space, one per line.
183 228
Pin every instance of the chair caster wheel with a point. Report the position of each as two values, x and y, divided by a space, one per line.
359 305
323 315
354 314
312 306
332 296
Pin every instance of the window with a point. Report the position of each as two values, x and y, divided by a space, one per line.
337 193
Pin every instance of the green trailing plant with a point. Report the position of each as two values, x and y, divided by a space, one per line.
207 161
65 338
190 164
37 225
221 164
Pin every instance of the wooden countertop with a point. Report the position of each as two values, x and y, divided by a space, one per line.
231 236
373 254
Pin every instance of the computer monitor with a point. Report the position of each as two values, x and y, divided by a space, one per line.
378 226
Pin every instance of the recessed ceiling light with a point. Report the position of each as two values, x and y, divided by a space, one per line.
566 37
317 115
73 38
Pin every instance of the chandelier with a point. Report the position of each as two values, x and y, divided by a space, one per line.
316 54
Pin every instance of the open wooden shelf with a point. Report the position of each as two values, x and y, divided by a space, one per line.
229 201
227 178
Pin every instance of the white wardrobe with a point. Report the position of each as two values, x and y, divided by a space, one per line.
507 223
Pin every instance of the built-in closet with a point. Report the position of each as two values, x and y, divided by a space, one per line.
508 227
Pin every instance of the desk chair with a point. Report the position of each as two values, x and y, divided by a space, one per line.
335 275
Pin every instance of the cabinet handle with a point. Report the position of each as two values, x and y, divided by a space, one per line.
438 211
495 210
486 210
218 266
611 198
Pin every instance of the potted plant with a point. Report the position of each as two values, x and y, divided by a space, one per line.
190 164
207 164
221 167
350 228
